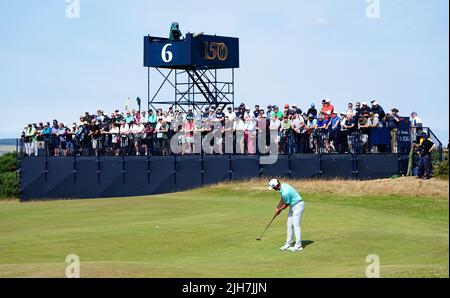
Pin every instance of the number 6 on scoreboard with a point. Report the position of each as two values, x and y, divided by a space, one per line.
165 54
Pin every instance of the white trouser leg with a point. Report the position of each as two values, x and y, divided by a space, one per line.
293 224
28 148
34 148
289 232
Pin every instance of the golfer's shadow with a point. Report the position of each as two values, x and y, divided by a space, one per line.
306 243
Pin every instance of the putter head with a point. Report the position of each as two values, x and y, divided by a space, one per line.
258 239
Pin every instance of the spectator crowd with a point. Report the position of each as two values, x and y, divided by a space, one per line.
318 130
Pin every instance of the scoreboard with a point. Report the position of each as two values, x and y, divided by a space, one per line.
201 52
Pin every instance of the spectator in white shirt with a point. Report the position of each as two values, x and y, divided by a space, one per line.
416 125
250 133
137 129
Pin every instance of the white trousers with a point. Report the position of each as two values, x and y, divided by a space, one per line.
293 224
31 148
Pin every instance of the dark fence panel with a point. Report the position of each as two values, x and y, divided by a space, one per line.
32 178
244 167
334 166
216 168
188 172
377 166
279 169
305 166
162 175
60 178
87 177
92 177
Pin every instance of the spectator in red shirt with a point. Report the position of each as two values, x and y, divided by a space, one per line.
327 109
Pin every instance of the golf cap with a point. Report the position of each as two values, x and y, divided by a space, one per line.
273 183
364 103
327 100
394 109
286 106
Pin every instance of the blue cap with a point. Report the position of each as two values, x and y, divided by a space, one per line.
313 105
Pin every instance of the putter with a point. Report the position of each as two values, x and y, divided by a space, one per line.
260 237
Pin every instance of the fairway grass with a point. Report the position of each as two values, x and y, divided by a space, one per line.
211 232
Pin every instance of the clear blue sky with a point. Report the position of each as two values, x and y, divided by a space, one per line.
290 52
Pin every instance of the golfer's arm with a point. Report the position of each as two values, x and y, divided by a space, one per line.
282 205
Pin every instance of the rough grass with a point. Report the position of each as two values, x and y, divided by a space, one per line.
404 186
211 232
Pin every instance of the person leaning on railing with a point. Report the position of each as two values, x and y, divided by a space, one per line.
350 127
321 132
363 126
373 122
311 124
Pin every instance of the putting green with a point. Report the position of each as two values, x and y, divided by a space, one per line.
212 232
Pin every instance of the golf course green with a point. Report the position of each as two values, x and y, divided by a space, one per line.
211 232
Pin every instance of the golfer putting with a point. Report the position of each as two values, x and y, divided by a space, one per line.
290 198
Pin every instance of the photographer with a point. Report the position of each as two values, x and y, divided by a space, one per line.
425 147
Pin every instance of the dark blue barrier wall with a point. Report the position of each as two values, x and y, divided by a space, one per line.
92 177
244 167
305 166
338 166
371 167
216 169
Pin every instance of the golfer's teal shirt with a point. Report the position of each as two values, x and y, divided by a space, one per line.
290 196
